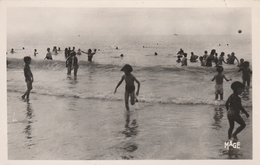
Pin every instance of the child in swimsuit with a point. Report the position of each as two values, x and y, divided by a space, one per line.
130 87
219 82
246 77
28 77
233 106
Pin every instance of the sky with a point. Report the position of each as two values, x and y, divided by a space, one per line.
127 21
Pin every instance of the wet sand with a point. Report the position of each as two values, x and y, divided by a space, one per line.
67 128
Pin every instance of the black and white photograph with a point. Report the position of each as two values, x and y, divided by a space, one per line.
90 83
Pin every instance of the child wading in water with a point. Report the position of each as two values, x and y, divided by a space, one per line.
233 106
28 77
246 77
130 87
219 82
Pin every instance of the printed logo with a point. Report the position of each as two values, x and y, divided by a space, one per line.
229 144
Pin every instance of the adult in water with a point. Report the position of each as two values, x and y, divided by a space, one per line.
210 58
193 58
48 55
232 59
90 54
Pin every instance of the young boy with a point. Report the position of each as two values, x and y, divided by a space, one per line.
130 87
219 82
233 106
28 77
246 74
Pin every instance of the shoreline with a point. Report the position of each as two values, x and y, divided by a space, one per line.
51 128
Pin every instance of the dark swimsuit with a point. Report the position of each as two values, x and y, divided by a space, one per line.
130 88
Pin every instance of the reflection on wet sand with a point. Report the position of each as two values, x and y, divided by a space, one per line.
232 153
130 132
72 79
218 115
28 127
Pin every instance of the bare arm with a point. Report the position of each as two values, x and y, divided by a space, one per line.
94 52
227 103
31 75
242 108
119 83
83 52
237 61
227 79
138 88
213 78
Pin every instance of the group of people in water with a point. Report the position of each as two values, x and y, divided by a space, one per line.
233 103
71 58
208 59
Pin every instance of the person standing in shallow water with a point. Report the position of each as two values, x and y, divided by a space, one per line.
184 60
130 87
232 59
28 77
90 54
219 82
48 55
75 64
69 61
246 74
210 58
233 106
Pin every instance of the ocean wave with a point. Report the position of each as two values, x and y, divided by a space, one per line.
58 65
143 99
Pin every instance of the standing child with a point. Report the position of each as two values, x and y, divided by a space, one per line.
130 87
219 82
246 74
233 106
28 77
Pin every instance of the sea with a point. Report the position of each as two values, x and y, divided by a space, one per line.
80 118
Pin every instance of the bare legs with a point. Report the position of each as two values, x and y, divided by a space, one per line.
27 93
232 121
132 99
